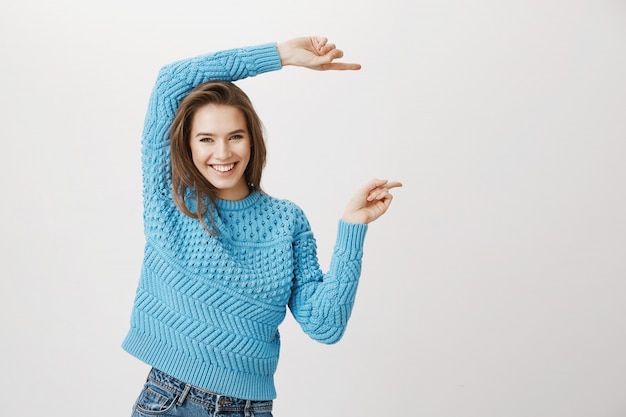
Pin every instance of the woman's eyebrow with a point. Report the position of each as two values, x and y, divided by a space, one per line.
212 134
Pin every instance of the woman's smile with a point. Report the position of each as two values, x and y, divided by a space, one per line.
223 168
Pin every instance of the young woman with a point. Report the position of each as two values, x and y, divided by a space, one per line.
223 259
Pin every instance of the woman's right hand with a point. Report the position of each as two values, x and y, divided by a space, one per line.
313 52
370 202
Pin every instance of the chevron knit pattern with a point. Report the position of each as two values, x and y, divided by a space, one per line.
207 308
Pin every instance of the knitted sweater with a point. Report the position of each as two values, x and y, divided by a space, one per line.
207 308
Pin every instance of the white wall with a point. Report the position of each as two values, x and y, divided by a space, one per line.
495 286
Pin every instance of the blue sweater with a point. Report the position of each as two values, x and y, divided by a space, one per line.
207 308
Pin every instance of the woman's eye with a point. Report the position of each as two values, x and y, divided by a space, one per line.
236 137
206 140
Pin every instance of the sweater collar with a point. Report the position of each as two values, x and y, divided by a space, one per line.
242 204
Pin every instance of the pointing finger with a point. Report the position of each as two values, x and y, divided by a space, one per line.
394 184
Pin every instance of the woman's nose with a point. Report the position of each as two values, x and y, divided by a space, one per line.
223 150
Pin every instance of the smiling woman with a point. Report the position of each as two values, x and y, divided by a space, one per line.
218 127
221 157
212 295
494 288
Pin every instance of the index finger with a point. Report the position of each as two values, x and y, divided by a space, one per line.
341 66
393 184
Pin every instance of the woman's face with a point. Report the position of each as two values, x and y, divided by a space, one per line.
220 148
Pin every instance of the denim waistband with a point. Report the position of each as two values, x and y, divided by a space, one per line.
212 400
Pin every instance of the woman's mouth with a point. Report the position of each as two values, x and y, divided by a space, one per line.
223 168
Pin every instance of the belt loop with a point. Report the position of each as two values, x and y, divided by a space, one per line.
183 396
246 410
217 409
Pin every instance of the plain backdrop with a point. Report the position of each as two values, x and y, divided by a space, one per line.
494 286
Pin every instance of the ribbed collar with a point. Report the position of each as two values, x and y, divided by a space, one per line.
244 203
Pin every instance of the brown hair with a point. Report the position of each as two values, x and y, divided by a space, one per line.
187 181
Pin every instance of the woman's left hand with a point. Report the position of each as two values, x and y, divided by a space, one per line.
314 52
370 202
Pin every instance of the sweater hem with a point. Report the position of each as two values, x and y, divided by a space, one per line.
197 372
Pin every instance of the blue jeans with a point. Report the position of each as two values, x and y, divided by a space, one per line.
164 395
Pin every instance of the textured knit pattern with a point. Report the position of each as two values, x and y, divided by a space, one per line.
207 308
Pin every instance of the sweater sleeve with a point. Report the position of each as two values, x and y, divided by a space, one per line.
173 83
322 303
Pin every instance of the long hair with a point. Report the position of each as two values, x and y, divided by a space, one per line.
187 181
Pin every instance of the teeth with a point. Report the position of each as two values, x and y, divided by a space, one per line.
223 168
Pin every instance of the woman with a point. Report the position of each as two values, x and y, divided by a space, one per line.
223 260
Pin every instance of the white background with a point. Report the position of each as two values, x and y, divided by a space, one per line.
495 285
